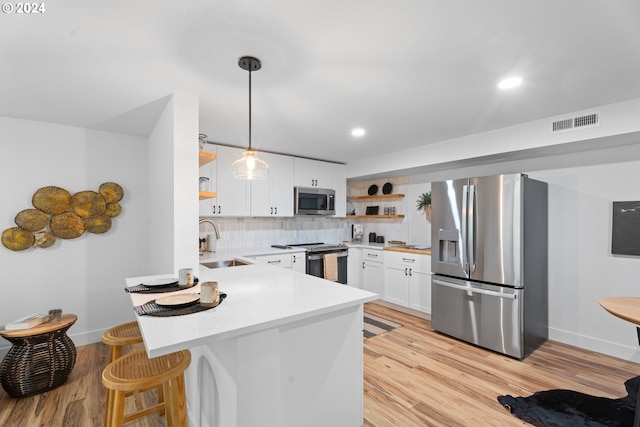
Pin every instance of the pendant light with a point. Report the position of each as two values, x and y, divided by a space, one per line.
249 166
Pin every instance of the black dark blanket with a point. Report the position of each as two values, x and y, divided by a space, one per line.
564 408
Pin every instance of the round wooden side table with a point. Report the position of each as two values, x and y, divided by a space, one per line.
40 359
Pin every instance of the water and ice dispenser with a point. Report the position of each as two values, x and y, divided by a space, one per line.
448 245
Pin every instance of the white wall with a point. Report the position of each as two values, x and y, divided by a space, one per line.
173 187
86 275
581 268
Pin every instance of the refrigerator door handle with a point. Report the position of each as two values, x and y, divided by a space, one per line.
463 228
475 290
471 237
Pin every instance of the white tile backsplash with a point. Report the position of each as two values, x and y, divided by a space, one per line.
257 233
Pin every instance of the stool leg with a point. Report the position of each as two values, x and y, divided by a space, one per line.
114 352
107 408
176 403
136 396
167 406
117 408
161 398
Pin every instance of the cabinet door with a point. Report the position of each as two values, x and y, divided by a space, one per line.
273 196
396 284
420 291
354 268
372 277
281 184
299 262
420 284
233 194
313 173
340 185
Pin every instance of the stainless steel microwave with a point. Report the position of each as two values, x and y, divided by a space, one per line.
314 201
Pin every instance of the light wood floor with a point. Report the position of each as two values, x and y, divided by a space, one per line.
413 377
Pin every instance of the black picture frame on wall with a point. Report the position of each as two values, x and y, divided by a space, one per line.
625 228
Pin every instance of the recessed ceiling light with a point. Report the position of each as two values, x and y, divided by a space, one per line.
358 132
510 83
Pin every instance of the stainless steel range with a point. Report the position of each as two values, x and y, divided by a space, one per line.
315 253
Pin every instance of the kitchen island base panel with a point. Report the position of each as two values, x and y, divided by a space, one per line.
305 373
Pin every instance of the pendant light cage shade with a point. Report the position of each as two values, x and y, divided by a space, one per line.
250 166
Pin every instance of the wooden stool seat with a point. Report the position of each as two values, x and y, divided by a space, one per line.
136 372
119 336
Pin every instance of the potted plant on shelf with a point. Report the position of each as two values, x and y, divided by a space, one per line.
424 204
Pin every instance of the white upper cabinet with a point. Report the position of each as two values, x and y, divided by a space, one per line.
273 196
340 185
313 173
233 195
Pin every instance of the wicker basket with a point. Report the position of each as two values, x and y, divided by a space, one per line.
37 363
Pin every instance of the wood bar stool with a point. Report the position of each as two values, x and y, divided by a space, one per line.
122 335
135 371
119 336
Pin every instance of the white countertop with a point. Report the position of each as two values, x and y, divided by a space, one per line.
258 297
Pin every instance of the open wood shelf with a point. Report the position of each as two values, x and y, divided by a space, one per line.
376 196
207 195
205 157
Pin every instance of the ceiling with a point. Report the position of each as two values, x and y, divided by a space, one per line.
411 72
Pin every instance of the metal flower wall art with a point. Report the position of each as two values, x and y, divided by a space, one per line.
56 213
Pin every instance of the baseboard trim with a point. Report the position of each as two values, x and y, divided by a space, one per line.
402 309
593 344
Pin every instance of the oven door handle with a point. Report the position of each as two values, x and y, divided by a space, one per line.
316 257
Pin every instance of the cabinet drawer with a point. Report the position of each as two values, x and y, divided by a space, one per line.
283 261
416 261
372 255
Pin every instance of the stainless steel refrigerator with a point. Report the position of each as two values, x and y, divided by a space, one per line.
489 262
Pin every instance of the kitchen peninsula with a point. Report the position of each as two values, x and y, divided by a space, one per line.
283 349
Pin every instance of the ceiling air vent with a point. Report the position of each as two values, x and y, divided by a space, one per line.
575 123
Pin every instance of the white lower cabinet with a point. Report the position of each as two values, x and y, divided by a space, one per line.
280 260
299 262
371 278
407 280
295 261
353 268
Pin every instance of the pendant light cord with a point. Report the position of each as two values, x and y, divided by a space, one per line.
249 108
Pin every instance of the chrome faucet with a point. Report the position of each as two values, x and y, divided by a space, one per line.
208 245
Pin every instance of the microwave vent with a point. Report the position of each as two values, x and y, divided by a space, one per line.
575 123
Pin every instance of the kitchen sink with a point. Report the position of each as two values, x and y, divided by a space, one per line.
222 264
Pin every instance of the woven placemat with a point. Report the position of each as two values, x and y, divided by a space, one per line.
143 289
152 309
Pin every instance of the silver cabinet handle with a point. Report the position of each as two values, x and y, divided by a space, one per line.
409 259
274 262
372 255
405 271
275 210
